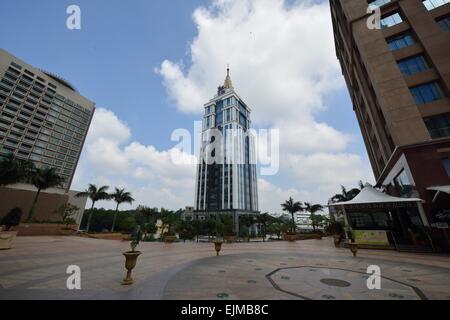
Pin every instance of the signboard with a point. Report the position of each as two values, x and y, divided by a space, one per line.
371 237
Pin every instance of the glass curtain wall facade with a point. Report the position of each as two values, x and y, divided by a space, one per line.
228 184
43 118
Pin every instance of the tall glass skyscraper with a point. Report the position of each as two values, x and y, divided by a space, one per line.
226 174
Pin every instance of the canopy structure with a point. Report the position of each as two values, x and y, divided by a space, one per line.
439 189
372 198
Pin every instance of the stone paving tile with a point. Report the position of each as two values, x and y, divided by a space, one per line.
191 270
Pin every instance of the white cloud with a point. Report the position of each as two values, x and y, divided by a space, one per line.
283 63
327 171
271 196
151 175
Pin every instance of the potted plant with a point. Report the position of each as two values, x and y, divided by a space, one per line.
218 246
12 219
131 256
353 246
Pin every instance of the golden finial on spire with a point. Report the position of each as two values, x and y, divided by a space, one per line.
228 84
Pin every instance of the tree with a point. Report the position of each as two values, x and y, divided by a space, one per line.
13 170
95 194
185 229
66 211
312 209
169 219
197 226
264 219
247 221
147 214
43 179
279 225
120 196
292 207
149 229
228 225
345 195
210 227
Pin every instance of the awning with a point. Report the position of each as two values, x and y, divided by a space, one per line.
445 189
439 189
370 195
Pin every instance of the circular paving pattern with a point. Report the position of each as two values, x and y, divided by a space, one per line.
335 283
301 278
322 283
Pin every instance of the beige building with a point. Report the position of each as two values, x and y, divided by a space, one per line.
398 76
43 118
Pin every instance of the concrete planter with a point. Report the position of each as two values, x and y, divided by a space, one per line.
291 237
6 239
230 239
170 239
45 229
130 263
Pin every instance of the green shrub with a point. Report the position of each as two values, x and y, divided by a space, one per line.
12 219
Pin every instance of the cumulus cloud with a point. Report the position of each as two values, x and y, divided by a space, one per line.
151 175
283 64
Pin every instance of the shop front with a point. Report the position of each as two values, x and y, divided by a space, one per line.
377 220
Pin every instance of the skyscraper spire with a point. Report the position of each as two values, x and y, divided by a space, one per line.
228 84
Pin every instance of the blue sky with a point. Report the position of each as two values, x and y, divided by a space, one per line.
137 60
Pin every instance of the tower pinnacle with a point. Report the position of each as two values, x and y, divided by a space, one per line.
228 84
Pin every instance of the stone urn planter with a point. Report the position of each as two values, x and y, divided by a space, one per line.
353 246
230 239
6 239
290 236
169 238
337 240
218 246
130 263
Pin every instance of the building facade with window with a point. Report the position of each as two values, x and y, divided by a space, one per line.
398 77
226 181
43 118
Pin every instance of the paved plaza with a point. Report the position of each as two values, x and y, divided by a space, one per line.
36 269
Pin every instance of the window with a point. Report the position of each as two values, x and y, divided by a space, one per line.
378 3
29 73
444 23
426 93
413 65
432 4
15 65
401 41
391 20
438 126
446 164
403 185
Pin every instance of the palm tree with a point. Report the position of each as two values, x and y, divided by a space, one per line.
292 207
120 196
43 179
345 195
13 170
95 194
312 209
264 219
